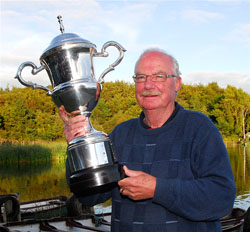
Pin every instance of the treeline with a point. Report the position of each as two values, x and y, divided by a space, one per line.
27 114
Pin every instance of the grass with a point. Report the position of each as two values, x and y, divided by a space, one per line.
14 152
32 152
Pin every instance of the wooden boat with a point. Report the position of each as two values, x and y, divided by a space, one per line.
53 214
61 214
64 224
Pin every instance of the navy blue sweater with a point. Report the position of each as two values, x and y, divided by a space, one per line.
195 185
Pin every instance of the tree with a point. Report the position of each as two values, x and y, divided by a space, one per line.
27 114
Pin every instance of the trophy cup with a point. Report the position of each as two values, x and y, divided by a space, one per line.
69 63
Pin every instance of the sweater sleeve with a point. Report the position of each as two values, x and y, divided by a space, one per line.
89 200
210 194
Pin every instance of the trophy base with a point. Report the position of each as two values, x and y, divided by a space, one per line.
95 180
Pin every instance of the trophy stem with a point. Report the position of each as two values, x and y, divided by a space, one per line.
89 127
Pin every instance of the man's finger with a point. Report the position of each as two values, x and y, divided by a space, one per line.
63 114
130 172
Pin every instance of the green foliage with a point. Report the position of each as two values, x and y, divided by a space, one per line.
225 107
117 104
27 153
29 115
12 153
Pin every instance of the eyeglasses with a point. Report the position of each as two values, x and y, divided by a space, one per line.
138 78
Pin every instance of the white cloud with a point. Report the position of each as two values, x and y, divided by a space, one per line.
7 77
201 16
237 79
240 34
127 21
27 28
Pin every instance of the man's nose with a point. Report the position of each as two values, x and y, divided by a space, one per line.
148 83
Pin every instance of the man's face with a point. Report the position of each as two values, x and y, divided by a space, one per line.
152 95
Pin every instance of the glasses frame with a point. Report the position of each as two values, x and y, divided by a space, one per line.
153 77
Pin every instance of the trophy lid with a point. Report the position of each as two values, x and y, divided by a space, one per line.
66 39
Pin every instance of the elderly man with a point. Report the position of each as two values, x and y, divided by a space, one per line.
178 172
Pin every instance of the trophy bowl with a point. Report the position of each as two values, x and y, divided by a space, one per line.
69 64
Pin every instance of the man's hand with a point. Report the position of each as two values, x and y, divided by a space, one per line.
73 126
137 185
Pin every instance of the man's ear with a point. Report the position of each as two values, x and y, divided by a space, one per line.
178 82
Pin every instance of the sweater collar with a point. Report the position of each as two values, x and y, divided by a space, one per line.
144 125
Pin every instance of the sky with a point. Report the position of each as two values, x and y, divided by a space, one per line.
209 38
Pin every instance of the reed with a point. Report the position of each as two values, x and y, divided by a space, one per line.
32 152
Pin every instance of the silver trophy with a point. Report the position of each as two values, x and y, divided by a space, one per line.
69 63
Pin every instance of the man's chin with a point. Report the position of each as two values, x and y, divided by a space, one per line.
149 107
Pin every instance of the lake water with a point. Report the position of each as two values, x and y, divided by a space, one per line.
240 162
48 180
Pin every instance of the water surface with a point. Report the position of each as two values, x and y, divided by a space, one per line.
46 180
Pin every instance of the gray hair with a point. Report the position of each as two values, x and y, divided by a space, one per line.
176 70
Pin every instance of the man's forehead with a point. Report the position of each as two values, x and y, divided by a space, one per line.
155 60
155 55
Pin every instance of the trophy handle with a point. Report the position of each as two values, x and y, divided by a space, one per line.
34 71
103 53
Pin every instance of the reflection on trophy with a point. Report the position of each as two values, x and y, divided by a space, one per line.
69 63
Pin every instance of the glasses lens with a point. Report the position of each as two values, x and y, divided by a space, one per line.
154 77
158 77
139 78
